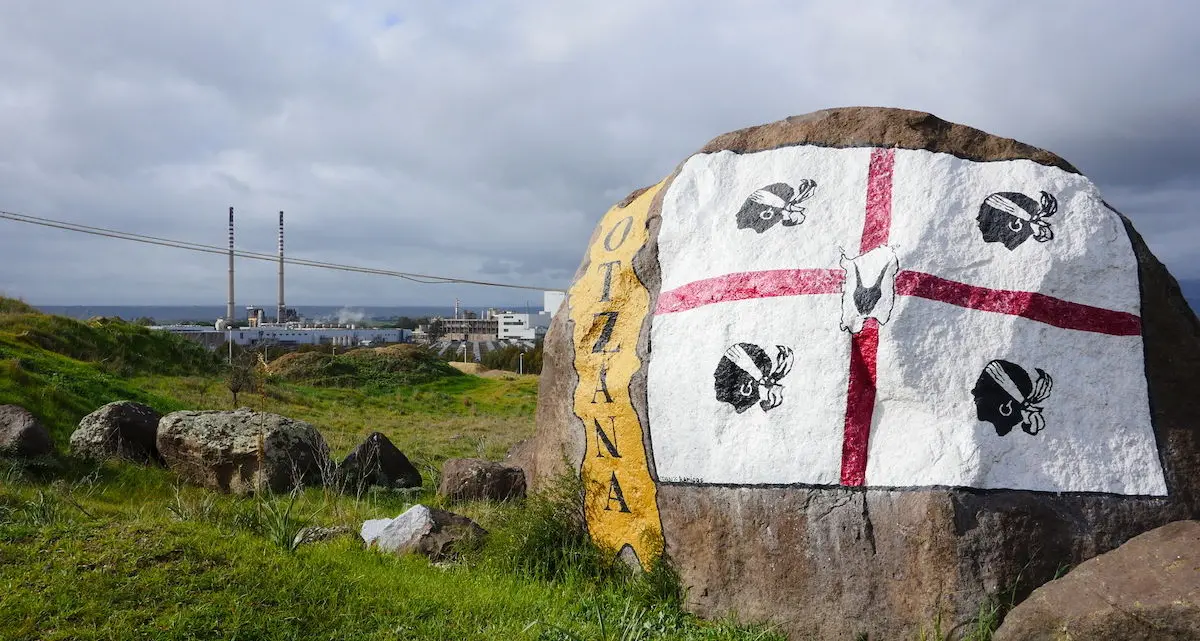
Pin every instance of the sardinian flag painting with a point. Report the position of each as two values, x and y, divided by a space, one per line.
898 319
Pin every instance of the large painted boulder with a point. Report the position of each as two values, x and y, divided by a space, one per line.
863 370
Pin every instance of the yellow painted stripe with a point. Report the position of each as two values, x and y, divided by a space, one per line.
620 503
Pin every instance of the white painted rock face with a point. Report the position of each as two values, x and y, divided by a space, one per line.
896 318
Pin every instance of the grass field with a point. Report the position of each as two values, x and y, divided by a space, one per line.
119 551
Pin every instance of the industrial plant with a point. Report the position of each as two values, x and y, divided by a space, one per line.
466 333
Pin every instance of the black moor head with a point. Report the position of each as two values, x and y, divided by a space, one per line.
746 375
1012 218
1006 396
774 204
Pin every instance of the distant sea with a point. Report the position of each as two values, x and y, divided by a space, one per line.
209 313
166 314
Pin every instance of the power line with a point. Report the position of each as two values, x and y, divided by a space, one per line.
425 279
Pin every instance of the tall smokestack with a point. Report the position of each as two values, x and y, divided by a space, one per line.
229 303
280 309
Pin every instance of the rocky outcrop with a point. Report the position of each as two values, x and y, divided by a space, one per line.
123 429
376 462
900 367
243 451
22 434
436 534
472 479
1146 590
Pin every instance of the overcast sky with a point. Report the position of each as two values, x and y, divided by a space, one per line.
485 139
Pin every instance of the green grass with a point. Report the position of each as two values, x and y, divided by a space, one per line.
373 370
458 416
121 552
60 390
61 369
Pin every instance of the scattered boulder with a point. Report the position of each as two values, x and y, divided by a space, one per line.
1146 590
316 533
437 534
376 461
243 451
122 429
22 434
864 369
473 479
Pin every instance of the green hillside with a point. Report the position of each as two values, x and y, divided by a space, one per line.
62 369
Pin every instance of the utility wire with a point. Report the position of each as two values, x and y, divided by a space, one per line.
213 249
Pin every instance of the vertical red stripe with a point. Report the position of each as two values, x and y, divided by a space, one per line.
860 403
864 346
879 200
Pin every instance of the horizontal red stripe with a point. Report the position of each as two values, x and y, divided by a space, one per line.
1031 305
746 285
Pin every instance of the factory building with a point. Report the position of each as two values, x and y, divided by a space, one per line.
511 326
291 335
469 329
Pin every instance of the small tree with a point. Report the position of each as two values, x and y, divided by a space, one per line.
435 329
242 374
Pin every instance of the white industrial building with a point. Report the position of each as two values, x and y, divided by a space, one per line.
511 326
291 335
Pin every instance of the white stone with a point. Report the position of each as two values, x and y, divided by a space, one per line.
372 528
402 533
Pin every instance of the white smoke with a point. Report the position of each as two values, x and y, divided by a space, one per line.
346 315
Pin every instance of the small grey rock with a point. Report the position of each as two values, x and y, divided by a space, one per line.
467 479
436 534
122 429
376 462
22 434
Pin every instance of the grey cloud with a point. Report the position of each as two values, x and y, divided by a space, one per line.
485 139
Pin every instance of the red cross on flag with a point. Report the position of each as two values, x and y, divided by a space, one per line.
896 318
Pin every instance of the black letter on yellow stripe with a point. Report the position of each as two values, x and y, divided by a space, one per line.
610 321
602 437
615 494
